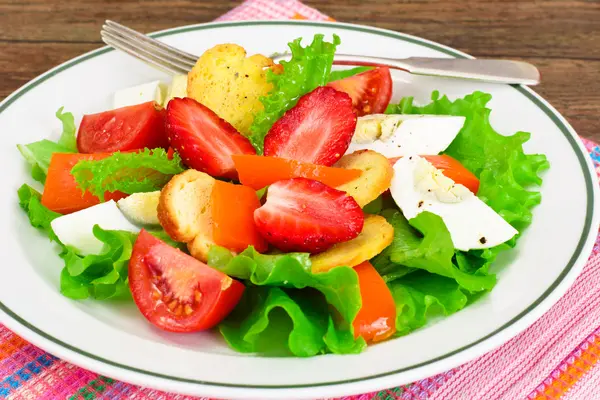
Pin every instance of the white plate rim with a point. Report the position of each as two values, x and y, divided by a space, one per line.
438 364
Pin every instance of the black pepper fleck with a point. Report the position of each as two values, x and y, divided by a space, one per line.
421 204
482 240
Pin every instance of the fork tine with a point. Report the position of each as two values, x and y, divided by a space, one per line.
142 54
167 50
149 50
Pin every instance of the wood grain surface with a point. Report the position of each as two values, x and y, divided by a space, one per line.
561 37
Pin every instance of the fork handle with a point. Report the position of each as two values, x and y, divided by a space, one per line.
495 71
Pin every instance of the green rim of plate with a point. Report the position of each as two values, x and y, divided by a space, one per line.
582 158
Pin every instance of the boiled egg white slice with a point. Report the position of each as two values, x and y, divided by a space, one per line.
418 186
151 91
141 208
75 230
177 88
397 135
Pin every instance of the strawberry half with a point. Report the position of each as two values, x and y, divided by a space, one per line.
205 141
305 215
317 130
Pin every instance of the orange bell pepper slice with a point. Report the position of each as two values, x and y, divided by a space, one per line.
376 319
260 171
61 193
453 169
233 217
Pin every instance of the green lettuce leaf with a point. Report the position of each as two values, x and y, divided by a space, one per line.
38 154
421 295
145 171
39 216
425 243
374 207
68 138
277 321
504 170
293 270
347 73
102 276
99 276
308 68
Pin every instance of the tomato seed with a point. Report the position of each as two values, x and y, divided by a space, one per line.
197 296
187 309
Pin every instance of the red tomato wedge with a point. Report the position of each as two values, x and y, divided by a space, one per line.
122 129
233 209
203 140
61 193
305 215
259 171
376 319
370 91
318 129
176 292
453 169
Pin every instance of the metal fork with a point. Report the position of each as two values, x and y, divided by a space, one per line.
173 60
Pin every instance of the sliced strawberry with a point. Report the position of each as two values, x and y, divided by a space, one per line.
317 130
305 215
204 141
371 91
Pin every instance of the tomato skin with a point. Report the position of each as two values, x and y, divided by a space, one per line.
151 257
376 320
371 91
260 171
61 193
127 128
453 169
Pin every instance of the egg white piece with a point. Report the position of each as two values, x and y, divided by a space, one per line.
75 229
401 135
418 186
151 91
141 208
177 88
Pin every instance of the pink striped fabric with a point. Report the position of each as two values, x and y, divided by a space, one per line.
518 367
272 9
587 387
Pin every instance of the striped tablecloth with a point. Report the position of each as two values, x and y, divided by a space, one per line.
557 357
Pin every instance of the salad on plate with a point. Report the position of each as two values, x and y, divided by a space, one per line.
292 207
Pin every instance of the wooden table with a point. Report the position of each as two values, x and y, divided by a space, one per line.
561 37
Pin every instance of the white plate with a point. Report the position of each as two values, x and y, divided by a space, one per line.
115 340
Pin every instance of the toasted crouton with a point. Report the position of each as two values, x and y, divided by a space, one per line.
184 210
200 246
377 234
375 179
230 84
